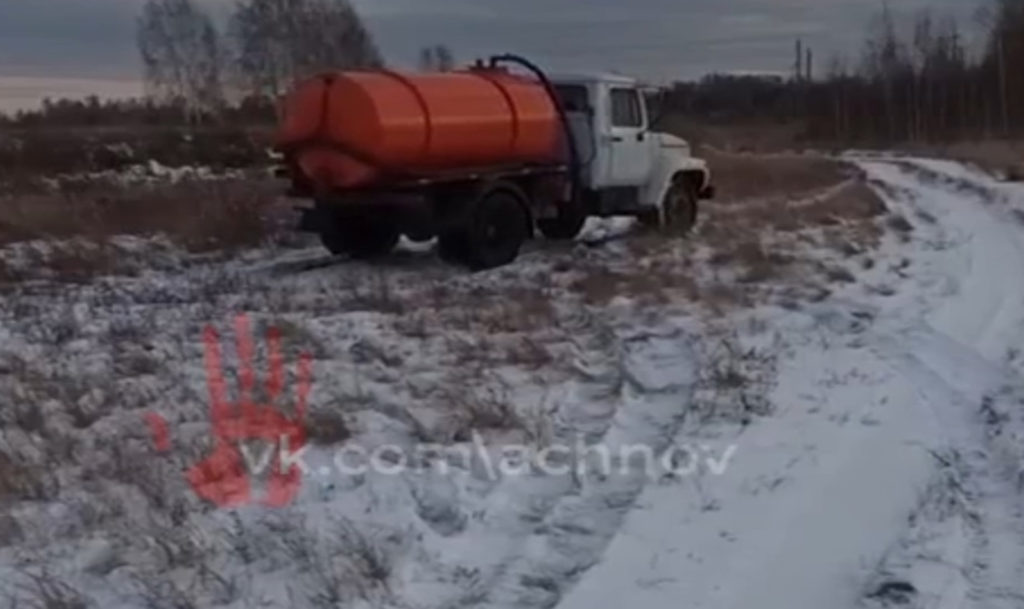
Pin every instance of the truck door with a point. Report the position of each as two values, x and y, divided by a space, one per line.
630 145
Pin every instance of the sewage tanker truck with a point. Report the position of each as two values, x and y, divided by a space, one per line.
478 159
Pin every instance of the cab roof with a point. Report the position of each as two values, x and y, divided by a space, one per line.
591 77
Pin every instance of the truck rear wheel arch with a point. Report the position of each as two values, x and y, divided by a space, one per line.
693 179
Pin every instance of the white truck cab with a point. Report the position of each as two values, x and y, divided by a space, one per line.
626 167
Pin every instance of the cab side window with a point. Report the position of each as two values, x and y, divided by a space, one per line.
626 111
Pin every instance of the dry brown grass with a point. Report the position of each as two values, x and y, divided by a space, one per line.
68 261
762 243
200 216
740 177
755 262
852 205
748 136
78 229
762 232
20 482
486 311
656 285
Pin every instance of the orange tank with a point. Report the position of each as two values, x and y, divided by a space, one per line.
354 129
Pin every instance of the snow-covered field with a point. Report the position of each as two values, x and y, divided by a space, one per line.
847 433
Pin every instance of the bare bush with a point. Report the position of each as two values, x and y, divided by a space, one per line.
899 224
342 563
21 481
155 592
368 551
474 411
735 383
326 427
179 546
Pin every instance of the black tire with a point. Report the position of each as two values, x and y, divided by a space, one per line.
497 230
567 225
360 237
333 238
680 205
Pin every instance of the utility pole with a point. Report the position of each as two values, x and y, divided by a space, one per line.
799 67
810 64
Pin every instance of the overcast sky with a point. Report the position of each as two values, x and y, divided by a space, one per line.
656 39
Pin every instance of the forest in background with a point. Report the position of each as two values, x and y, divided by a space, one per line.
910 85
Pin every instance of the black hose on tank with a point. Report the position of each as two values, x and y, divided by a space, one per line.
575 167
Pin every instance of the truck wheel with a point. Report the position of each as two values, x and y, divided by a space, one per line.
565 226
680 205
333 239
359 236
496 231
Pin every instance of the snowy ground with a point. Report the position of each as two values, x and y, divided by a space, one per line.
843 434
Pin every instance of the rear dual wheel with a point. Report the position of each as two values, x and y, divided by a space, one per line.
566 225
360 236
495 231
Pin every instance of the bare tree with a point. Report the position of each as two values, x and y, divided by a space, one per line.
437 58
278 41
181 55
1006 51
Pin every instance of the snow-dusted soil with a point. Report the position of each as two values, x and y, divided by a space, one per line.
816 443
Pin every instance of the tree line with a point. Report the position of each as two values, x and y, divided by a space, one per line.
917 84
143 112
266 45
233 74
196 71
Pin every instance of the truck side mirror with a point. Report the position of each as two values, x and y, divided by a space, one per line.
657 107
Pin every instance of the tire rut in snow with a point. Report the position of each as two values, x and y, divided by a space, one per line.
965 546
657 378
